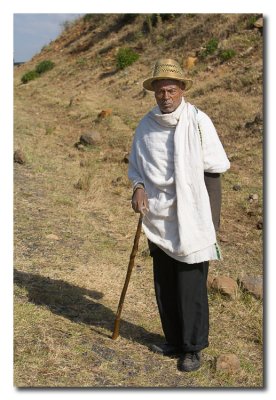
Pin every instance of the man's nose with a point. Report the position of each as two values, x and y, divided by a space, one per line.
165 95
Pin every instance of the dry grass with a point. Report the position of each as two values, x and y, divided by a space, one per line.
67 286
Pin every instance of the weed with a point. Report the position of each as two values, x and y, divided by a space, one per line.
64 201
49 130
84 182
44 66
210 48
29 76
125 57
226 54
88 17
81 61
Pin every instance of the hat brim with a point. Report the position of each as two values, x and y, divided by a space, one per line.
147 84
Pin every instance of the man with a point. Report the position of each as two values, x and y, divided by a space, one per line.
176 156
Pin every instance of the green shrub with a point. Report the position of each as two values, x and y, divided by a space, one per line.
29 76
210 47
88 17
126 57
226 54
44 66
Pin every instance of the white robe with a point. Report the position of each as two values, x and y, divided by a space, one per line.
168 157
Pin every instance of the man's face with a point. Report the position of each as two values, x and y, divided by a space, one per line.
168 94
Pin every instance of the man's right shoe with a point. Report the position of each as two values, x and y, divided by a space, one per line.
190 361
166 349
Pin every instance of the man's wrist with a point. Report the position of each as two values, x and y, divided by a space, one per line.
138 185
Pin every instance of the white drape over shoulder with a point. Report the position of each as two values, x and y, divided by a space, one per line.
168 157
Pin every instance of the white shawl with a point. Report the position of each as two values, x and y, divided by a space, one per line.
168 157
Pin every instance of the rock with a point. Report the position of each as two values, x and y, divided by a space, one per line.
236 187
126 158
223 239
259 225
80 146
19 157
225 285
71 155
84 163
190 62
83 183
105 113
253 197
210 279
146 252
256 125
247 51
117 181
51 236
259 23
233 157
210 68
251 213
90 138
252 284
227 363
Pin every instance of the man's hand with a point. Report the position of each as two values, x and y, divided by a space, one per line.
140 201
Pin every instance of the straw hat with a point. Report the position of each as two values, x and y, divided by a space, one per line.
166 68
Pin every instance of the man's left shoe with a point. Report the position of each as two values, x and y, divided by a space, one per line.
190 361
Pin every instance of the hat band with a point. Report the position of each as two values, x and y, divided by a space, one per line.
166 68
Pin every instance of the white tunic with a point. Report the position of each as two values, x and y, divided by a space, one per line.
153 161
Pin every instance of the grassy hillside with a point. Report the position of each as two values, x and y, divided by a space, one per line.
74 226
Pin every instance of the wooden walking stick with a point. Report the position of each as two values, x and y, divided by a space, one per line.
129 270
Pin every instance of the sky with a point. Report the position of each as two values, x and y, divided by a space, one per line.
33 31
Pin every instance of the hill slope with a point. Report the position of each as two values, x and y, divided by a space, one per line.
73 222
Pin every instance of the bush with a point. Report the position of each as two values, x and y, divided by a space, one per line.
29 76
39 69
226 54
126 57
44 66
88 17
210 47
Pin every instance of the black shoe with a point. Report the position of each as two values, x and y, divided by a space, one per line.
190 361
166 349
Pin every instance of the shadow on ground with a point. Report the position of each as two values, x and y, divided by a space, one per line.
79 305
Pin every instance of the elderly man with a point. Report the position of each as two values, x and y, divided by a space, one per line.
175 166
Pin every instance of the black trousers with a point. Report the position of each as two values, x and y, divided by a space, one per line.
181 294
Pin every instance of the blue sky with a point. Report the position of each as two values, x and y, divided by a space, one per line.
33 31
